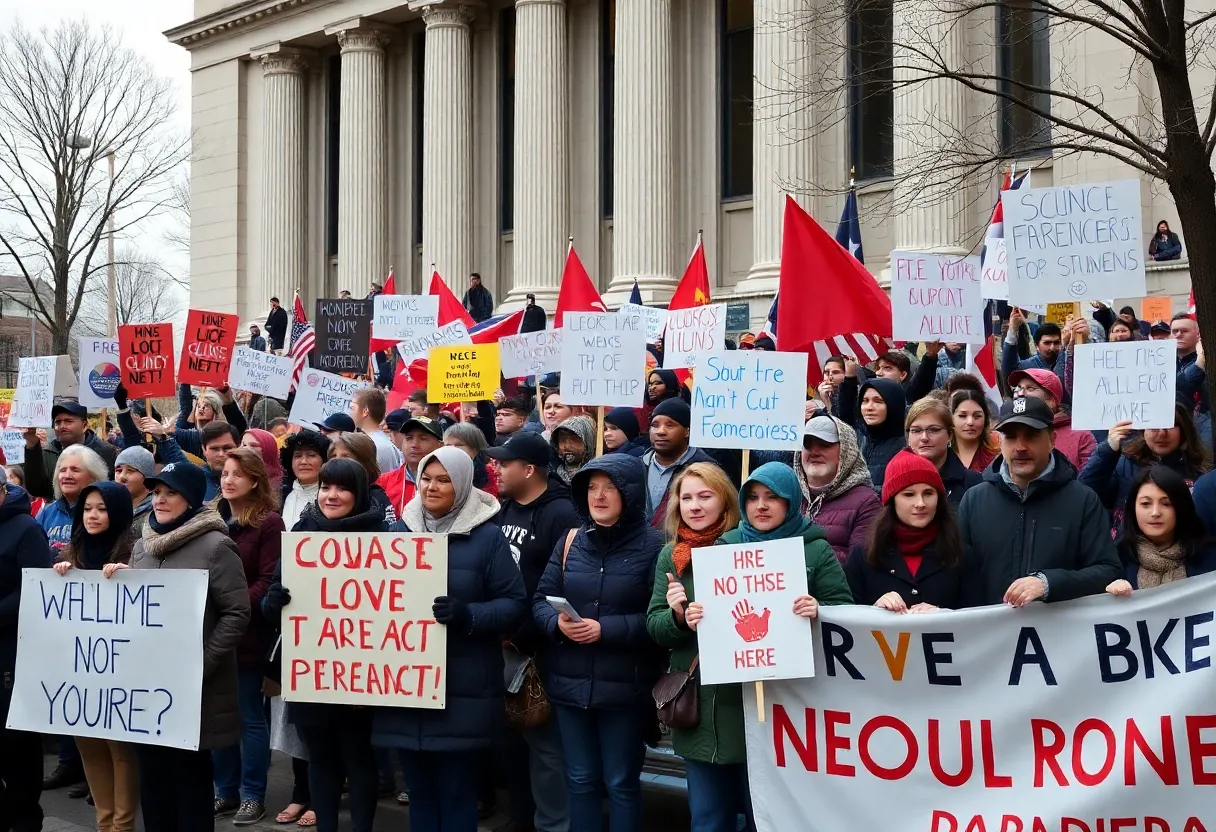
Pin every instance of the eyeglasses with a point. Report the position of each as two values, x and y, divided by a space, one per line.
933 431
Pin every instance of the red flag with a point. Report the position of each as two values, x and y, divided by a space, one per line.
825 292
450 307
694 285
1190 305
390 288
507 326
577 293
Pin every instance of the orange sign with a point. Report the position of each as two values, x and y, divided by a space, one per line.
1156 309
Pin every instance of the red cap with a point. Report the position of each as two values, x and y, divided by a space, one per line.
1046 379
908 468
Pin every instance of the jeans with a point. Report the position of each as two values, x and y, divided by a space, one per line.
547 773
342 750
240 770
20 777
443 789
717 795
608 747
175 791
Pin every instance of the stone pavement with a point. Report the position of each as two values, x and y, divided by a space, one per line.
664 809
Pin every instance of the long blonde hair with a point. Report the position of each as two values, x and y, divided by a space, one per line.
718 482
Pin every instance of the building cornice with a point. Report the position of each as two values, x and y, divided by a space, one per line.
246 15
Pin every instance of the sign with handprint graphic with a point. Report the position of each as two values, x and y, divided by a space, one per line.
750 632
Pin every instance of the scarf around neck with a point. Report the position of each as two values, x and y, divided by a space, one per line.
688 539
912 541
1158 565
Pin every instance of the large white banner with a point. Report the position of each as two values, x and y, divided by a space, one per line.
115 659
1082 716
750 399
320 395
99 373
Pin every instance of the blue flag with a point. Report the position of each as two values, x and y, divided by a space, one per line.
636 295
848 232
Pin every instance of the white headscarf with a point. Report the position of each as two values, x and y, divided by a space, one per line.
470 508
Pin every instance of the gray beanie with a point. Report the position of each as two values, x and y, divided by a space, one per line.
137 457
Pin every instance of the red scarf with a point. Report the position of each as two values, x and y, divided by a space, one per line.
688 539
912 542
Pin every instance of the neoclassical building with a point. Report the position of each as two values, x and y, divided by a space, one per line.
336 138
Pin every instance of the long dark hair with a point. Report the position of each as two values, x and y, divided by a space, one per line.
1189 532
948 548
1195 457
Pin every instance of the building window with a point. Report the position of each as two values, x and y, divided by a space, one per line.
1024 59
506 162
419 58
738 71
607 108
333 129
871 89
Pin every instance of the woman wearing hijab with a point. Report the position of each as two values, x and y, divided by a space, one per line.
439 748
470 439
836 488
101 534
573 443
622 434
265 443
878 413
599 671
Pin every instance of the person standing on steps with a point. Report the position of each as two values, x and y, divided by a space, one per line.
478 301
276 326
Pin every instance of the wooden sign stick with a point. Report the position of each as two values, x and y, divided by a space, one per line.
599 431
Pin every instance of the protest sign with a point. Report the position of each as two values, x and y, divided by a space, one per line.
692 334
6 404
654 319
1133 380
603 356
39 380
463 373
1058 313
111 658
1074 242
99 373
261 372
344 334
360 630
404 317
994 282
750 632
13 444
531 354
750 399
1156 309
936 298
322 394
1082 716
207 349
145 353
420 345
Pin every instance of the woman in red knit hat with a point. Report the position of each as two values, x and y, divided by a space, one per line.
914 560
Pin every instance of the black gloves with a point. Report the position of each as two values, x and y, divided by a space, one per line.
451 612
120 396
277 597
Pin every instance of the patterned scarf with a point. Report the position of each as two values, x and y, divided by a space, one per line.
1158 564
688 539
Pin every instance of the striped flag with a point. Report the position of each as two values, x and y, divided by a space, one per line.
303 339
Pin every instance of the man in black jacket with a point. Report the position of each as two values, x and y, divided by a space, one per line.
276 326
1038 533
478 301
534 317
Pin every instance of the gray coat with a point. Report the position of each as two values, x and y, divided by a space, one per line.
202 542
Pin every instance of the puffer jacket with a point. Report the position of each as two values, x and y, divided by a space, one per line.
202 542
1077 445
607 577
56 522
847 507
880 443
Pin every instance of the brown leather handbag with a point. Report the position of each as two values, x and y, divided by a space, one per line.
677 697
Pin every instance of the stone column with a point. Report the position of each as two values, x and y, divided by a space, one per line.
542 183
362 158
284 189
643 139
447 145
783 154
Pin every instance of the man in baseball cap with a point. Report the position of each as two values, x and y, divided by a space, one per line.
336 423
420 435
1077 445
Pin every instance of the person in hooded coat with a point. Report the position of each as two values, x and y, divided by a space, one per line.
573 443
837 492
660 385
301 459
102 534
439 748
622 434
22 546
878 413
599 671
267 446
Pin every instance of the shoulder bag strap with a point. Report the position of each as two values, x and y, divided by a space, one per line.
566 551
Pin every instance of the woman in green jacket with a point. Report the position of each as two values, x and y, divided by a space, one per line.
704 514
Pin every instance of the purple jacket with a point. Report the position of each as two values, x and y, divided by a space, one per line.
846 519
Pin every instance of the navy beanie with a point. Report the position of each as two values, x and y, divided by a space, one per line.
675 409
625 419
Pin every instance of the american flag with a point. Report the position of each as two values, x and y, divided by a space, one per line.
303 338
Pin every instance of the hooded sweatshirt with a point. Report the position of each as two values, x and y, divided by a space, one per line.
879 443
847 507
584 428
96 550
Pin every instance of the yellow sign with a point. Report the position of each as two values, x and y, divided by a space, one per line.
1057 313
6 404
463 373
1156 309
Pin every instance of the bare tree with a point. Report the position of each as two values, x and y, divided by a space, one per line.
178 233
70 97
146 292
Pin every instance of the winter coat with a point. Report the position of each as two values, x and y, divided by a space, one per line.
1204 494
479 303
297 500
949 588
482 574
380 500
56 522
1192 387
259 547
1203 562
276 328
398 488
202 542
846 508
257 343
534 319
1077 445
1057 527
40 467
880 443
1168 249
1110 474
607 577
22 546
140 516
957 478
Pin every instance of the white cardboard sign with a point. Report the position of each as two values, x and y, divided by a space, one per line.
654 316
936 298
424 341
39 380
99 372
13 443
994 280
693 333
261 372
1134 380
750 631
320 395
1074 242
116 659
531 354
749 399
404 317
603 359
